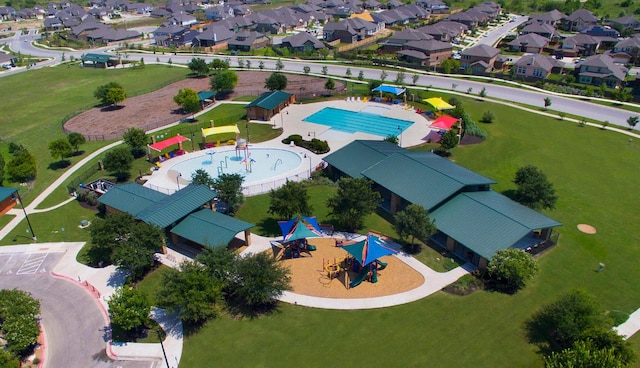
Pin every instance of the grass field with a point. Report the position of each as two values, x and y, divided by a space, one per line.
34 102
590 169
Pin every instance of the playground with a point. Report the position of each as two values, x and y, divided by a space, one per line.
310 277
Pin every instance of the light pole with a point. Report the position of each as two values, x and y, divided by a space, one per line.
247 126
27 217
162 346
178 180
309 157
193 149
400 136
309 134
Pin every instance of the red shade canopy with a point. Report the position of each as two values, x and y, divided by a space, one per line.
159 146
444 122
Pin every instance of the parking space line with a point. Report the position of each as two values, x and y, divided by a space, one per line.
31 265
7 262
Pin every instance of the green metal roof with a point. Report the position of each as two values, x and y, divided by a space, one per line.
203 95
487 222
6 192
269 100
176 206
210 228
359 155
450 169
131 198
413 180
96 58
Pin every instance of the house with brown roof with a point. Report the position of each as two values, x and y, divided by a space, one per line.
627 51
552 18
628 22
248 40
543 30
427 53
530 42
446 31
480 58
578 45
301 42
537 66
579 19
350 30
601 68
399 38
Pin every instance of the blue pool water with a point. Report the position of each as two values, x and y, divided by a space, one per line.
351 122
263 163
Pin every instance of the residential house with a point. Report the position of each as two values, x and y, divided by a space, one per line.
218 12
435 6
445 31
552 18
600 31
139 8
7 13
578 45
108 35
601 68
212 35
628 22
371 5
537 66
402 15
350 30
392 4
429 53
541 29
579 19
479 58
493 10
248 40
627 51
9 59
399 38
469 19
302 42
530 42
52 24
182 19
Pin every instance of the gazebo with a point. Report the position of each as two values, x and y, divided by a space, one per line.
159 146
391 89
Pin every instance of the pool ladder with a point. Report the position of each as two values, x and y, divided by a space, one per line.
275 165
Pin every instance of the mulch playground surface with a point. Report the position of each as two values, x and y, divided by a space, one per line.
140 111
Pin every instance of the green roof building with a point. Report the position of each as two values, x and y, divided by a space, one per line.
210 228
473 221
268 104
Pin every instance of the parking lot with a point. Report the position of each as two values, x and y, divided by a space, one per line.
28 263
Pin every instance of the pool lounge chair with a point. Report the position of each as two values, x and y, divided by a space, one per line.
358 99
365 99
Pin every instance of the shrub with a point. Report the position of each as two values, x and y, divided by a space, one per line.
487 117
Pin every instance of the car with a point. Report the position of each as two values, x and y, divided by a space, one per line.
6 66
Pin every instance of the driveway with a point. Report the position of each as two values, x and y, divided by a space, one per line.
74 324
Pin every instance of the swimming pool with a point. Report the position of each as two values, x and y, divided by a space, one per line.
262 163
352 121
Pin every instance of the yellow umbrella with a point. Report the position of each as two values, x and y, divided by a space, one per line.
438 103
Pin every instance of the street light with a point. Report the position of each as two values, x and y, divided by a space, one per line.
400 135
178 180
247 126
193 149
162 346
309 157
27 217
309 134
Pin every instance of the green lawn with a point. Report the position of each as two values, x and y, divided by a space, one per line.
151 283
591 171
34 102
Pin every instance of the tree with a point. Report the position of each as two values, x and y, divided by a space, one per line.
414 79
354 200
224 81
559 325
219 65
360 75
534 189
188 99
229 189
199 67
75 140
115 96
105 233
248 64
60 148
191 291
289 200
547 102
129 308
119 161
510 269
279 65
450 65
22 167
330 85
632 121
219 261
19 312
136 139
488 117
400 76
240 63
383 75
202 177
261 65
483 92
7 360
606 338
258 279
449 141
348 73
2 165
414 222
306 69
392 139
276 82
582 354
101 93
373 84
134 254
324 70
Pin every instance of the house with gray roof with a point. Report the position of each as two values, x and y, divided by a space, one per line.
626 51
628 22
248 40
427 53
472 221
212 35
446 31
435 6
601 68
552 18
578 45
543 30
530 42
537 66
350 30
395 42
302 42
480 58
578 20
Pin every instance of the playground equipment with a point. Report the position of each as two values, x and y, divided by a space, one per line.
366 253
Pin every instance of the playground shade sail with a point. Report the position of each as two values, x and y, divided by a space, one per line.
444 122
369 250
296 229
390 89
219 130
159 146
438 103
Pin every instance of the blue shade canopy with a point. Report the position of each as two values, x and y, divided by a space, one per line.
369 250
296 229
390 89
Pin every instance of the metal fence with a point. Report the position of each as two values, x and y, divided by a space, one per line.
82 178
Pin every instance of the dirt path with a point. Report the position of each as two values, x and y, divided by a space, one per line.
158 106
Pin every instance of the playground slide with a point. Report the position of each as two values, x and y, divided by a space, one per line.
382 265
361 277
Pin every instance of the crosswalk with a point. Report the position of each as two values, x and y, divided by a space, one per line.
32 264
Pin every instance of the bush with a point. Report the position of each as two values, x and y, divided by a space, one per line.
471 128
487 117
315 145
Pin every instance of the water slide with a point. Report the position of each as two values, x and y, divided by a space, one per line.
361 277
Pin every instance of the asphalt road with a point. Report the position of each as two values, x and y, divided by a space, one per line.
591 111
73 322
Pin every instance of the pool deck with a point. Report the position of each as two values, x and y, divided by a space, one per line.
291 120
